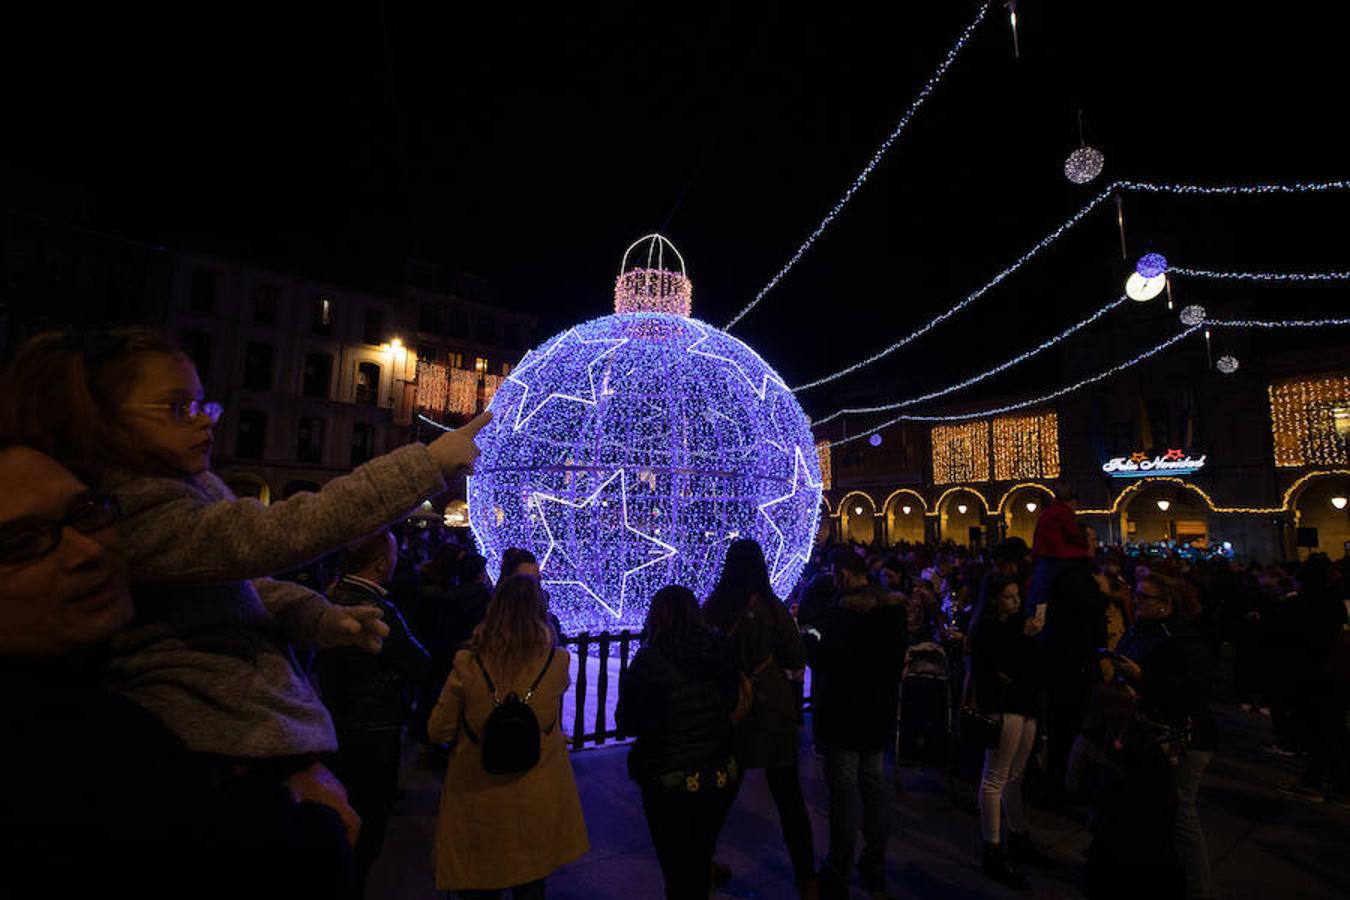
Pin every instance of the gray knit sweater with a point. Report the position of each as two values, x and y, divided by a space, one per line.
208 651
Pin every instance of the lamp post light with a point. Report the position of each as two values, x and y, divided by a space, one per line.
906 509
961 508
1164 505
1031 506
1339 501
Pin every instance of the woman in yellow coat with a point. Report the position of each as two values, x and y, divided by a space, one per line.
495 832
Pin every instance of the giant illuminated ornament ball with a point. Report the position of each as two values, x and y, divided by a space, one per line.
629 451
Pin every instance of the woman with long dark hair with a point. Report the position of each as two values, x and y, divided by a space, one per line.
676 698
744 607
1006 675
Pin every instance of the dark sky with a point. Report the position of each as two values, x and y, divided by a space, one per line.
532 145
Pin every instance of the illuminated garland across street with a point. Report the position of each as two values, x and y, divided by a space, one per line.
1057 233
1261 276
927 89
1287 323
976 379
1023 404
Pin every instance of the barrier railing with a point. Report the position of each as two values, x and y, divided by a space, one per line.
597 663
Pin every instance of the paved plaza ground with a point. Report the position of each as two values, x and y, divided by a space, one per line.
1262 843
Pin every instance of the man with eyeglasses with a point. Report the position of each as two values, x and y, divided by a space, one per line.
96 795
1170 664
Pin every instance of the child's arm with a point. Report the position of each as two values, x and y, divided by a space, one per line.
171 536
309 620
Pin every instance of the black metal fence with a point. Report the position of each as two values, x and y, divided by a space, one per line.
603 646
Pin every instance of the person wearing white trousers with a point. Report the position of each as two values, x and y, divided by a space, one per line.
1006 677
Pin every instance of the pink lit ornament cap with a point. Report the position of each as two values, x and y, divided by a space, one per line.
647 284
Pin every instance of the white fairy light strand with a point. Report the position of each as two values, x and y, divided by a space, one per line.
853 188
1023 404
976 379
1260 276
1287 323
1146 187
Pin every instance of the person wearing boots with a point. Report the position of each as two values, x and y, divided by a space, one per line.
1006 673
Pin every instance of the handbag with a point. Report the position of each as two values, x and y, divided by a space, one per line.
981 728
745 686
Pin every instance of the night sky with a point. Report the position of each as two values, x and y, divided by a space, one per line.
531 146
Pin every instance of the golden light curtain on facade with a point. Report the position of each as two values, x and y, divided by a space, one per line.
1310 420
1026 446
826 470
961 452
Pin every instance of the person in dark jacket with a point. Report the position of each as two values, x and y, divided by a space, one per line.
676 698
97 796
448 622
371 696
1005 671
744 607
856 667
1075 628
1172 667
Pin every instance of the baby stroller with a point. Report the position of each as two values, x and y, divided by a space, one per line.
925 714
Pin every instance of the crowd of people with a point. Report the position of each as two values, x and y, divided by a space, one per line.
209 695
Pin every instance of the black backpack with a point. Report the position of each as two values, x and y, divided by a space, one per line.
510 738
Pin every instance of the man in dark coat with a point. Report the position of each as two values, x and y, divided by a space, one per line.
371 696
856 667
97 797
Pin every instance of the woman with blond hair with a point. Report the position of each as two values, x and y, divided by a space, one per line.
510 830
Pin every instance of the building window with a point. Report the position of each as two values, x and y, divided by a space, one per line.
511 335
429 318
321 318
259 363
426 354
363 443
480 364
249 441
368 384
459 323
455 359
265 304
1122 438
197 345
318 375
487 330
309 446
506 369
1026 446
202 293
374 327
1310 421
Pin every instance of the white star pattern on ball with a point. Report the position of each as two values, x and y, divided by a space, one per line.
555 374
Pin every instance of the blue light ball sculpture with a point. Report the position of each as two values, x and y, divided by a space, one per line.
629 451
1151 265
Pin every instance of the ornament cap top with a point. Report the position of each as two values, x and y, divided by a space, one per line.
648 282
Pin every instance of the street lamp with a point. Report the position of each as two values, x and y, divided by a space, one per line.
1164 505
961 508
1339 501
857 510
1031 506
906 509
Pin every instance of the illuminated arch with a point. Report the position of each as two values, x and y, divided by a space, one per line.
923 504
937 504
1135 486
843 504
1292 493
1003 501
264 489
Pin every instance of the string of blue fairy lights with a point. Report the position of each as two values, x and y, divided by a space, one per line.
1023 404
1060 230
928 87
976 379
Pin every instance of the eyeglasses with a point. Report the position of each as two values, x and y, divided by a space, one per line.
24 542
186 410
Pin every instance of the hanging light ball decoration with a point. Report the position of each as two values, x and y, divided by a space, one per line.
1227 364
1084 164
646 410
1151 265
875 440
1142 289
1192 315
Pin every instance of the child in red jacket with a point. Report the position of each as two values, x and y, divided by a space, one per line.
1059 537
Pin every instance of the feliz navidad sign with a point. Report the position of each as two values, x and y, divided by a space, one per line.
1140 464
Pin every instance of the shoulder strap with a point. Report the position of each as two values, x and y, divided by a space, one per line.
542 672
492 688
